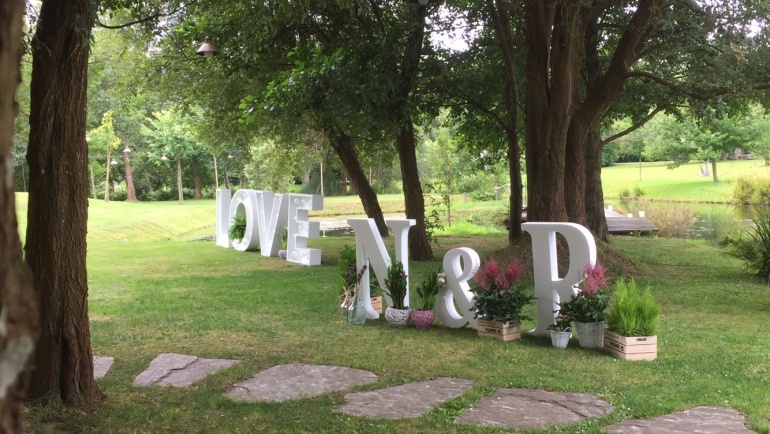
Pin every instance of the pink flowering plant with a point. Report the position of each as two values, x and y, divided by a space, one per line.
592 297
498 295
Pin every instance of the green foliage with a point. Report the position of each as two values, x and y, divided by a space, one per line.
753 245
751 190
428 289
237 229
395 284
632 312
346 266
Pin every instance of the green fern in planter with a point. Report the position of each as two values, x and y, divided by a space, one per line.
238 229
633 312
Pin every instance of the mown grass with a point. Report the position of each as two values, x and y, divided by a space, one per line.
679 184
153 291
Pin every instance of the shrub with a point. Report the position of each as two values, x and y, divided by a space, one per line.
753 245
633 313
672 221
751 190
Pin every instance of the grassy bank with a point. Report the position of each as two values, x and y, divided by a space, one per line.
153 290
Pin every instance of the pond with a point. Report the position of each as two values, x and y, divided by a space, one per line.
715 221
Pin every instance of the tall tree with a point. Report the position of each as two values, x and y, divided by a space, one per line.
18 316
580 57
58 205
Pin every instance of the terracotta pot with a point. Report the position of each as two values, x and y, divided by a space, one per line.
422 319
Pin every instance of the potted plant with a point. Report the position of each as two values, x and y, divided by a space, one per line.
586 308
396 315
499 300
561 331
346 266
632 323
237 229
423 317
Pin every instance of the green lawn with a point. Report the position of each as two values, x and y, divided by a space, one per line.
680 184
153 290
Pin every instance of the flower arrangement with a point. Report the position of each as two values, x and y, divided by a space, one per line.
429 288
634 312
346 266
498 296
395 284
237 229
351 291
562 323
592 297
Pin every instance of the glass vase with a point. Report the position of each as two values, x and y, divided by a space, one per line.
356 312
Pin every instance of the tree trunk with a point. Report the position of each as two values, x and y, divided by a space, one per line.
93 182
130 190
198 183
714 169
107 175
18 312
596 221
58 205
500 10
552 72
216 173
179 179
343 146
419 246
227 177
575 173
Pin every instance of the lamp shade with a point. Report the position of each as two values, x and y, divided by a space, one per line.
208 49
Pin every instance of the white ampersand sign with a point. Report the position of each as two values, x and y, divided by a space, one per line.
457 289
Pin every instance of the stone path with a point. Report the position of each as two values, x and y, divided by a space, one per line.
179 370
404 401
102 364
528 409
511 408
701 420
285 382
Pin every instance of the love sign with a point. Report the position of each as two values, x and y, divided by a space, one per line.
267 215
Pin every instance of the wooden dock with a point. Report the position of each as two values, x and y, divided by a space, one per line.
618 223
626 225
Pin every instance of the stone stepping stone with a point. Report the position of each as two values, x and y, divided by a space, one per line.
179 370
529 409
286 382
701 420
102 364
405 401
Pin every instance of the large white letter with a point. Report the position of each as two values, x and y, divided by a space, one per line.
223 218
272 214
244 203
370 250
457 288
300 229
549 287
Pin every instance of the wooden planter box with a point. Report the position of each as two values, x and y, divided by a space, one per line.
499 330
631 348
376 303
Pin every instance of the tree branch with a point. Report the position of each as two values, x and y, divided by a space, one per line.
671 85
637 125
143 20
